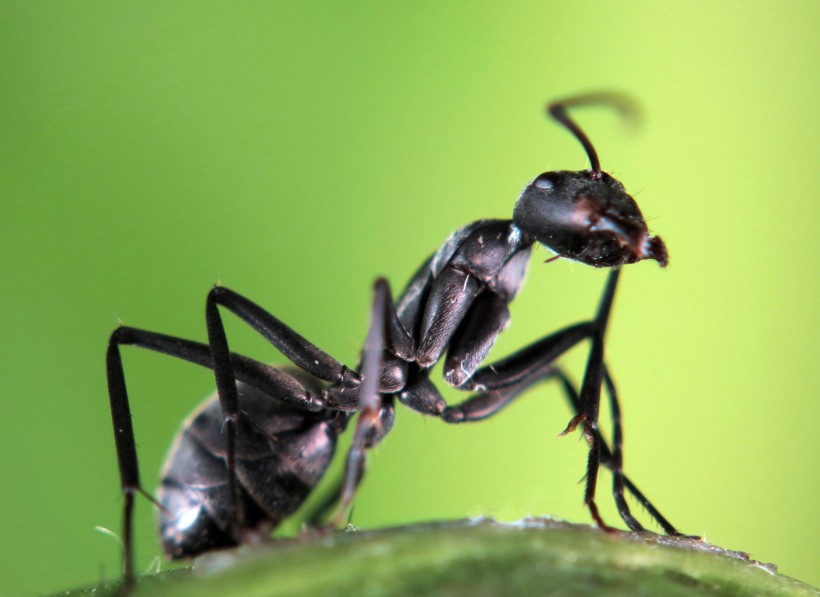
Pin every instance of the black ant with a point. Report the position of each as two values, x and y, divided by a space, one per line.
249 457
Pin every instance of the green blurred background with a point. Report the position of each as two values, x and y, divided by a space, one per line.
294 151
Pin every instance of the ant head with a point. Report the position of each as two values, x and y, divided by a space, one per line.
586 216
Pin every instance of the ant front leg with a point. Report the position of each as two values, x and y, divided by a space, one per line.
590 406
613 459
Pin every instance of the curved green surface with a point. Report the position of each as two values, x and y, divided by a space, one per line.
478 557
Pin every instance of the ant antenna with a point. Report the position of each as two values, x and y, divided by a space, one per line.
624 104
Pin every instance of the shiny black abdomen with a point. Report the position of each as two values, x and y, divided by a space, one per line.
281 454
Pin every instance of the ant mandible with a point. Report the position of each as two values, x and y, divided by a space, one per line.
249 457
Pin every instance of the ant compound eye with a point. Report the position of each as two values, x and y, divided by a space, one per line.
545 184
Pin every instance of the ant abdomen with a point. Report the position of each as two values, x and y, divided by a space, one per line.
281 453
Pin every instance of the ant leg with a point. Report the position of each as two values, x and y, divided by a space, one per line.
271 380
613 460
316 516
375 413
296 348
487 318
126 453
452 293
529 361
619 479
616 464
591 399
484 405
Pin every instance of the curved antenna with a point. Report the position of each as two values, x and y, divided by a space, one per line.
625 105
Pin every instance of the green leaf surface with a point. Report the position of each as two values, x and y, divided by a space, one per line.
474 557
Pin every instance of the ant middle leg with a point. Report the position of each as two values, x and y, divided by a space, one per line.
376 411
